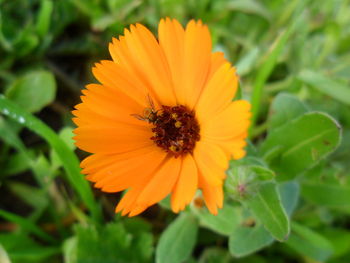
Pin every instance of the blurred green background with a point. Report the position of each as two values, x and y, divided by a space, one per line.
294 62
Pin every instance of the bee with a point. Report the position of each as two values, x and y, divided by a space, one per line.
149 114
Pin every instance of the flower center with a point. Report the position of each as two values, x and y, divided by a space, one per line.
175 129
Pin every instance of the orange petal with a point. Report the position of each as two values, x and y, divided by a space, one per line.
212 162
197 57
100 105
125 204
213 195
112 139
186 185
97 161
152 189
171 39
139 52
217 60
128 173
188 53
115 77
233 148
229 123
218 92
161 183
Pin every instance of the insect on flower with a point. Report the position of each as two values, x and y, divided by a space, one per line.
162 121
149 114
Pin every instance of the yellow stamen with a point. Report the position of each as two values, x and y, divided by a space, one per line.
173 148
178 124
174 116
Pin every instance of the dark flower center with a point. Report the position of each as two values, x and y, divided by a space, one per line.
175 130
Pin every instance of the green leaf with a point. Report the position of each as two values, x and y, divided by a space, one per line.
33 91
21 248
246 63
68 158
215 255
309 243
26 225
289 195
284 108
178 240
101 245
16 163
302 143
34 254
244 174
267 208
31 195
266 69
44 17
66 135
247 240
9 135
70 250
108 244
328 86
249 6
340 239
337 195
262 173
223 223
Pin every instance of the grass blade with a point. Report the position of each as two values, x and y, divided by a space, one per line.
68 158
332 88
26 224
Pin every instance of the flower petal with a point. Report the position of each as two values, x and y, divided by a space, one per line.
166 176
213 195
115 77
101 106
188 54
139 52
218 92
112 139
211 161
229 123
126 173
172 40
186 185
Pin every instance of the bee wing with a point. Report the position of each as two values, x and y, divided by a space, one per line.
150 101
139 117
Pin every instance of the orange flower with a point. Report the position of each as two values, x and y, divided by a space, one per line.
162 121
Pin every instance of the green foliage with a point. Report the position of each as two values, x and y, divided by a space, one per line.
267 207
309 243
41 93
177 241
223 223
20 248
301 143
246 240
117 242
335 89
286 201
69 160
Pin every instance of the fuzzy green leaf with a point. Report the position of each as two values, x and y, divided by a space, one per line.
33 91
267 208
302 143
247 240
177 241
